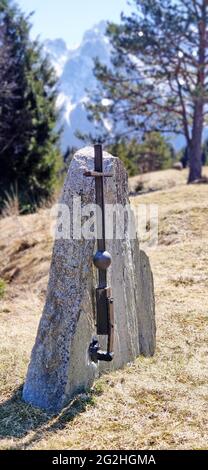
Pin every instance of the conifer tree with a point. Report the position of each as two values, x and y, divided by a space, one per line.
28 144
158 77
154 153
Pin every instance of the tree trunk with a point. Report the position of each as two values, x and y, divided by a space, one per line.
199 100
195 147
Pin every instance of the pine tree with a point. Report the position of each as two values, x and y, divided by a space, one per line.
127 152
153 154
157 81
28 145
8 84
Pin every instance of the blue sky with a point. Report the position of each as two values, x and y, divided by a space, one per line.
69 19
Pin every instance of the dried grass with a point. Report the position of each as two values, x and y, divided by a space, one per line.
160 180
157 403
11 203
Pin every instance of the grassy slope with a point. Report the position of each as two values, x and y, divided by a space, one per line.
160 402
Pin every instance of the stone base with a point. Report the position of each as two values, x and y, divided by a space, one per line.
60 366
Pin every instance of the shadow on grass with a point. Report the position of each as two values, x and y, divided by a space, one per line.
17 418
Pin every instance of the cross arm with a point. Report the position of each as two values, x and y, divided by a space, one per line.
97 174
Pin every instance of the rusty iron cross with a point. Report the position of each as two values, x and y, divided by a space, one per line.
102 260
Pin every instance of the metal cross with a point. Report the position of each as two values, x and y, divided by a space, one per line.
102 260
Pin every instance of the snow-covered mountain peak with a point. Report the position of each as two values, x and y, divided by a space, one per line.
58 53
97 31
57 46
74 68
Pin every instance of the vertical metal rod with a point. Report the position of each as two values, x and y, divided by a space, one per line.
99 189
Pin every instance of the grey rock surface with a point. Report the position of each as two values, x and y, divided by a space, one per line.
60 367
